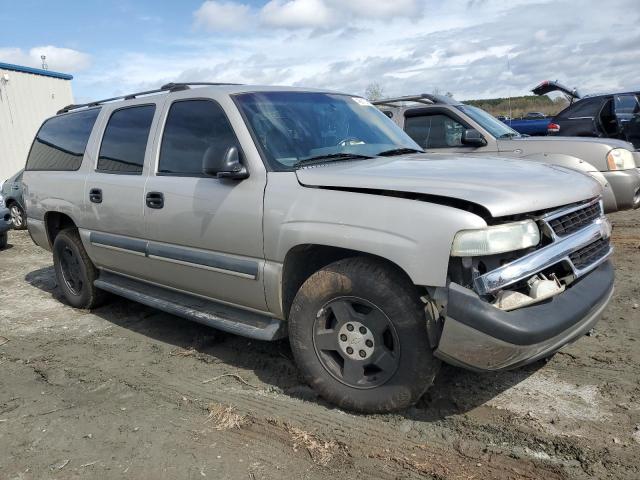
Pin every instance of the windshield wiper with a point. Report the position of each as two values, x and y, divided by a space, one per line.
510 135
398 151
330 157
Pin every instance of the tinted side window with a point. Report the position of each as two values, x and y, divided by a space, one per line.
193 127
584 108
125 140
434 131
61 141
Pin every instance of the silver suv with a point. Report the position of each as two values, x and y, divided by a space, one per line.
272 212
441 124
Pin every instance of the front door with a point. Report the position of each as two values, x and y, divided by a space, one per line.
205 233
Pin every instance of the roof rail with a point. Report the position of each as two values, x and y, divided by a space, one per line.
425 98
169 87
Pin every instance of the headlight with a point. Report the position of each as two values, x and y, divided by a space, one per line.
496 239
620 159
1 201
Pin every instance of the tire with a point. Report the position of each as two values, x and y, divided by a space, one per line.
18 217
4 239
75 271
390 364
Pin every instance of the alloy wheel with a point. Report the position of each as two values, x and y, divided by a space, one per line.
356 342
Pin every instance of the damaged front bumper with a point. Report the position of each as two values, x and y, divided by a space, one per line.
478 336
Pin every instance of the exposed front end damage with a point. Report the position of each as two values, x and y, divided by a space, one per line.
503 311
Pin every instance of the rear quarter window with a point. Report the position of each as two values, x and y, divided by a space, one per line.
61 141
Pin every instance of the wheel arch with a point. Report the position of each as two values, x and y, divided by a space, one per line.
303 260
55 222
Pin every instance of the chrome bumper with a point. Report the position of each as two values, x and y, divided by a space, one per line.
556 252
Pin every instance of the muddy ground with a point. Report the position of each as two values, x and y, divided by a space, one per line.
126 391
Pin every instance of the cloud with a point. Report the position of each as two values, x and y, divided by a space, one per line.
58 59
228 16
492 49
297 14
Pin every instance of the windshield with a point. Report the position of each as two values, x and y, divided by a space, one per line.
292 127
487 121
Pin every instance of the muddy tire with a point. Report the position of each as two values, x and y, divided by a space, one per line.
4 239
75 272
358 334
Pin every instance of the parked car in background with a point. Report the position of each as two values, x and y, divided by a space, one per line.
12 193
275 211
609 115
442 124
5 224
530 125
534 115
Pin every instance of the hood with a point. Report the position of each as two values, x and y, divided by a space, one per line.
502 186
588 149
551 86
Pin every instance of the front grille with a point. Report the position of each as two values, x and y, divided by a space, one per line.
574 221
591 253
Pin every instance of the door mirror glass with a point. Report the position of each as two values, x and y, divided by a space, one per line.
225 165
473 138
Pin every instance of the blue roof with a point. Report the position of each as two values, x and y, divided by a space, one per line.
35 71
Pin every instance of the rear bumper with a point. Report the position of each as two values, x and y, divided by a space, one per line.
5 220
625 185
479 336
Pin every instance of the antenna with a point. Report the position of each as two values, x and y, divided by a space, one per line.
44 62
509 92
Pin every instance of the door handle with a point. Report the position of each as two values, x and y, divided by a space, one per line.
95 195
155 200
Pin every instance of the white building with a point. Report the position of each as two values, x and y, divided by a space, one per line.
27 97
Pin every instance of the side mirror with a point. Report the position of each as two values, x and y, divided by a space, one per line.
227 165
473 138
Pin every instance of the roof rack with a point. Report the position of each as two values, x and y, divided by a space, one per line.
425 98
169 87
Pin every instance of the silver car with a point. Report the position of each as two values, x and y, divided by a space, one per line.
441 124
271 212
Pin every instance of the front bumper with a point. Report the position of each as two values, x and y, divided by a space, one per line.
625 185
478 336
5 220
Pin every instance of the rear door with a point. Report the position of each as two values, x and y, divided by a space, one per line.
627 112
114 227
205 233
580 119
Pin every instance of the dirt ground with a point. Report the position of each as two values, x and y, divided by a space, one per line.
126 391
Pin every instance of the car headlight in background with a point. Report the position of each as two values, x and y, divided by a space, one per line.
1 201
496 239
620 159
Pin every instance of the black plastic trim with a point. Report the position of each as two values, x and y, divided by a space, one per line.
537 323
135 245
222 262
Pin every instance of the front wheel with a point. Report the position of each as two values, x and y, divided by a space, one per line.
18 217
75 271
358 334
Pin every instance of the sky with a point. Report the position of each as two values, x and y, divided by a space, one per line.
471 48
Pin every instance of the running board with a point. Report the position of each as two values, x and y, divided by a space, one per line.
207 312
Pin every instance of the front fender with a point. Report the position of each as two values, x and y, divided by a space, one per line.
413 234
575 163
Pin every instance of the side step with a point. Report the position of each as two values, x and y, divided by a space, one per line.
213 314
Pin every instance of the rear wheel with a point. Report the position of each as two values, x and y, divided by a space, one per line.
358 334
18 217
75 271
